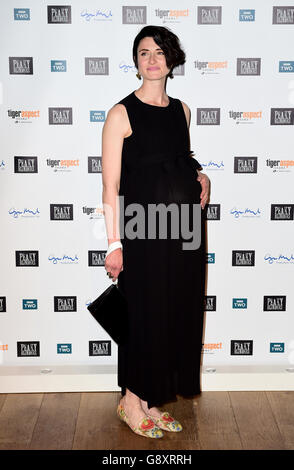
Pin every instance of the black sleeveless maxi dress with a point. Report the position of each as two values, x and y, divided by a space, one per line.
163 284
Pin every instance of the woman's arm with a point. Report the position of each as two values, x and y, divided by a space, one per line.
114 131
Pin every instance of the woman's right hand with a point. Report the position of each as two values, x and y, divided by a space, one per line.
114 263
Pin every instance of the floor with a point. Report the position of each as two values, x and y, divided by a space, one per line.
88 421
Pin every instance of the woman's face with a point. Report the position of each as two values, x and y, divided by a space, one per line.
151 60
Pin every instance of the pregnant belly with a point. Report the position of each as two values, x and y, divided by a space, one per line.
175 182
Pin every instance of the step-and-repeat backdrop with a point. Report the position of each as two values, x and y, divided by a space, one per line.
62 68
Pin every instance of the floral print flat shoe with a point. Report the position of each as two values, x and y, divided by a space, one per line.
146 426
167 422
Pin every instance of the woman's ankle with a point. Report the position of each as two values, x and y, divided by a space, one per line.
130 399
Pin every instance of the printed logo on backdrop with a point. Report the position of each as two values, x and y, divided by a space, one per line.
2 165
96 66
280 165
246 15
21 65
208 116
100 348
206 67
65 303
94 164
21 14
248 67
210 258
245 117
212 165
274 303
277 347
93 212
283 15
65 259
58 65
59 14
62 165
242 347
282 211
246 212
286 66
245 165
60 116
29 304
97 116
25 213
2 304
211 348
212 212
64 348
243 258
22 116
171 16
179 70
3 347
96 15
282 116
239 303
279 259
134 15
61 211
88 302
96 258
26 258
28 348
209 15
25 164
210 303
126 67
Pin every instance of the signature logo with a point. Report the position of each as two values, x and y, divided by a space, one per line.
279 259
15 213
64 259
96 15
236 213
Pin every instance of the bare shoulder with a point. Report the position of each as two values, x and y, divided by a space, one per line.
117 112
117 118
187 112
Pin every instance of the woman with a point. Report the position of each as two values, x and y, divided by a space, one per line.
146 160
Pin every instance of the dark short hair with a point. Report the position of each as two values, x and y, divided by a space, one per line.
166 40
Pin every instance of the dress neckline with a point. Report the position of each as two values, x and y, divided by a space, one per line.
153 105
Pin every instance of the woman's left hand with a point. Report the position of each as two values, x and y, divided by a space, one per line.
205 185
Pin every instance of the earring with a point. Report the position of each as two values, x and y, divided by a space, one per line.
138 75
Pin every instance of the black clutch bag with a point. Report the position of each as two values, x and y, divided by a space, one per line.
110 311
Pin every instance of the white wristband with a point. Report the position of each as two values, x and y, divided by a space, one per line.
113 246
